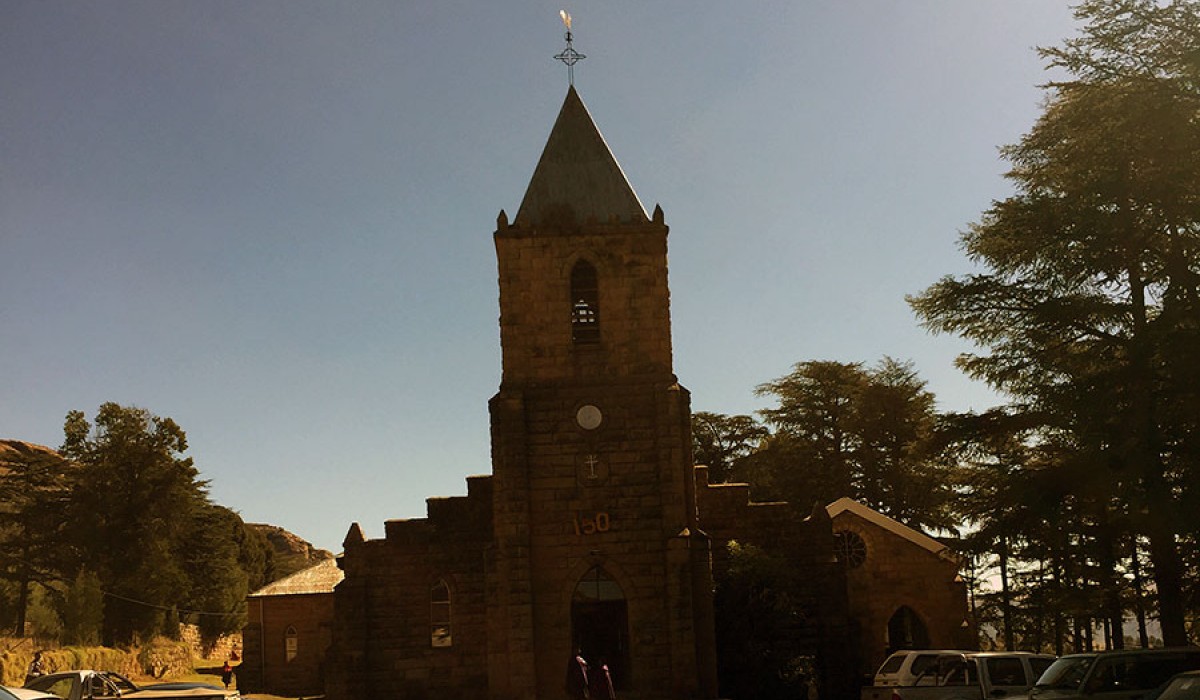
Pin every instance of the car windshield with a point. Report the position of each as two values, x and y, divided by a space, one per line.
5 695
121 682
892 665
60 685
1182 688
1067 673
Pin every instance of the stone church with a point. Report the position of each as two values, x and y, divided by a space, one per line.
594 532
586 532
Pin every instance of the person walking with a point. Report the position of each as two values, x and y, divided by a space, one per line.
227 674
577 677
600 685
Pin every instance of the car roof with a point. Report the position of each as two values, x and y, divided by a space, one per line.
1135 652
27 694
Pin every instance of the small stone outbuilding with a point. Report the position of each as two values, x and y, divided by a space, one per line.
287 633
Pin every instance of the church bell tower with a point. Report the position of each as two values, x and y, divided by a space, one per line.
596 545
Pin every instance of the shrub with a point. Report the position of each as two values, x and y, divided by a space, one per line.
165 657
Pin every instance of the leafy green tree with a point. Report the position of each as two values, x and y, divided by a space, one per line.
721 442
760 624
82 611
210 557
1088 309
842 429
255 556
131 513
34 483
44 620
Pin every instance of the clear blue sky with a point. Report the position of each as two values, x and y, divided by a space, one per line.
272 220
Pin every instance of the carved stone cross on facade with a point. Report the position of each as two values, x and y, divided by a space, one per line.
591 461
590 468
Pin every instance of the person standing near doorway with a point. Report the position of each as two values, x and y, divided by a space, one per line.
600 685
577 677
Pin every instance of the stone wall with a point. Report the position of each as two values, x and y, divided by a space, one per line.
220 649
897 572
829 633
382 610
265 666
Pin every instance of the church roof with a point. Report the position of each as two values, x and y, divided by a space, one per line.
918 538
577 177
319 578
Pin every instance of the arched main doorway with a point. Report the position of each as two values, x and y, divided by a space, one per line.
906 630
600 624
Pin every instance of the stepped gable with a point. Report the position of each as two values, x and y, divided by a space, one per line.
468 517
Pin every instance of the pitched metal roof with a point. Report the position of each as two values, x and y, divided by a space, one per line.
577 178
918 538
319 578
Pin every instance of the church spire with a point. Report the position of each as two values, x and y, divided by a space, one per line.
577 179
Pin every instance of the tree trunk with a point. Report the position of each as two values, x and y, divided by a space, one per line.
22 606
1147 459
1005 597
1139 593
1114 613
1168 579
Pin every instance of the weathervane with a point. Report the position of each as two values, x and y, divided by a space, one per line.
569 55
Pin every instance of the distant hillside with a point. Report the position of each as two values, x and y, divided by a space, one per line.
291 553
19 451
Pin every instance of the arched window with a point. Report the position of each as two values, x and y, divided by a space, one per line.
585 304
439 615
906 630
600 624
291 643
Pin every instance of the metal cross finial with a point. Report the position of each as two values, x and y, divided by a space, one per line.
569 55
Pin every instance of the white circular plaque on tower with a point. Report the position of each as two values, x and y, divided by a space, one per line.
589 417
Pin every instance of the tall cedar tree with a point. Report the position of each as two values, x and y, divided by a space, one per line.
720 442
1088 311
33 491
132 513
842 429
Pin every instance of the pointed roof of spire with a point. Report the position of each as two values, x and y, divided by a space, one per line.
577 177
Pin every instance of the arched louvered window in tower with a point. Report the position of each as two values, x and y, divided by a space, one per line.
585 304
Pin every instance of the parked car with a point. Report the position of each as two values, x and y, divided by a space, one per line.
903 667
98 685
27 694
1113 675
1183 686
971 676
